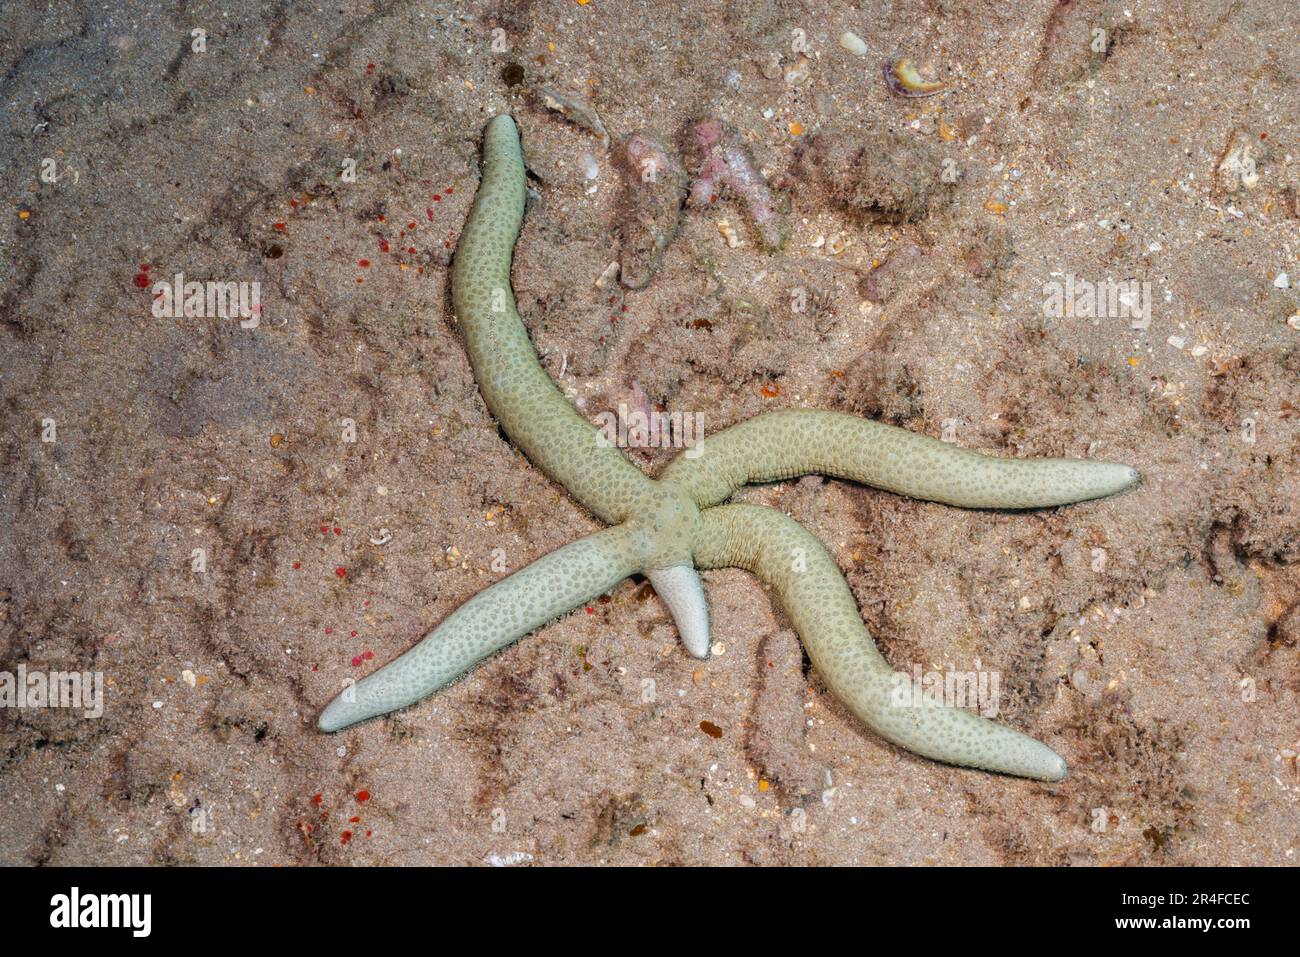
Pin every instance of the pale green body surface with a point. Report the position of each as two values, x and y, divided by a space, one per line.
667 528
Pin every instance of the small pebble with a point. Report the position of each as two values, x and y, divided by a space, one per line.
608 276
853 43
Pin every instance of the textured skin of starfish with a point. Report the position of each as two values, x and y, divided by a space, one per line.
667 528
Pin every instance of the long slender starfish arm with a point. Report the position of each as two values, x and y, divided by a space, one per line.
781 445
800 569
554 584
518 392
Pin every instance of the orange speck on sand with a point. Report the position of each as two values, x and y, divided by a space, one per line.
993 206
796 128
771 391
1134 361
23 214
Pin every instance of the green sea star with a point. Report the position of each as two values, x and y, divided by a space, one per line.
667 528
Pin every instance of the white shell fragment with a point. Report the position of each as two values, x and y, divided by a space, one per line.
853 43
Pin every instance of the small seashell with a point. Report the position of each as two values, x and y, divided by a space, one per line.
903 80
1238 167
509 859
853 43
383 538
576 112
728 233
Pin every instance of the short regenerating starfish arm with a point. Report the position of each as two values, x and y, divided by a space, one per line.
679 587
518 392
551 586
795 563
781 445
